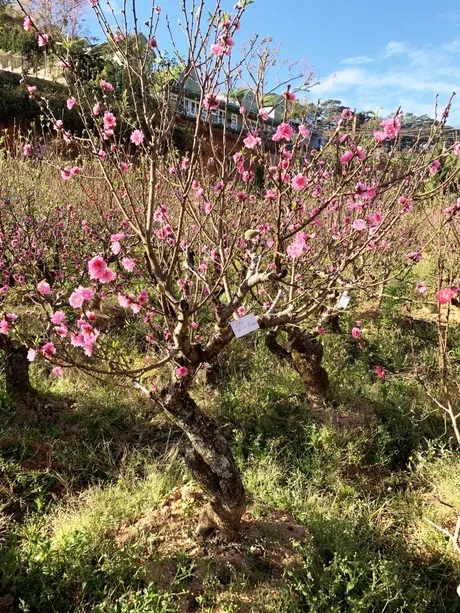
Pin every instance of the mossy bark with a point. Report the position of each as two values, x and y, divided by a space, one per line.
304 353
210 460
17 382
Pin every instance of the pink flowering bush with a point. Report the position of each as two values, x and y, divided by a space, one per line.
442 292
179 247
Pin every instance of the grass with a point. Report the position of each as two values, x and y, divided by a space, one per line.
102 460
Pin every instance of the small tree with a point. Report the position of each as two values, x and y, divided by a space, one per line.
58 17
446 391
199 243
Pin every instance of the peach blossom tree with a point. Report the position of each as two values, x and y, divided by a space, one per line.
185 248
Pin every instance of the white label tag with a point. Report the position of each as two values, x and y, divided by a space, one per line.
344 301
244 325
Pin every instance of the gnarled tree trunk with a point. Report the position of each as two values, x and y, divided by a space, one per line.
304 353
17 380
210 461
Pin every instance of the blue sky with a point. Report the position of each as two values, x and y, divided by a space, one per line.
369 55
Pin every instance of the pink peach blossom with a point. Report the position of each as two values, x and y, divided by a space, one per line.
296 248
299 182
217 50
43 40
347 157
110 121
108 276
66 174
304 131
288 95
96 267
390 129
446 295
61 330
128 264
143 297
359 225
79 296
48 349
415 256
283 132
116 247
106 86
58 317
379 136
181 371
137 137
44 288
124 301
421 287
210 102
434 167
252 140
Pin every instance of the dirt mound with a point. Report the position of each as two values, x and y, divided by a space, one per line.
265 549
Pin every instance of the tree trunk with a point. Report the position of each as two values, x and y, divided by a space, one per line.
333 322
210 461
304 354
17 381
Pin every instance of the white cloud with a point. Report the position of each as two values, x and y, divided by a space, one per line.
342 80
453 46
400 75
395 48
354 61
451 16
404 80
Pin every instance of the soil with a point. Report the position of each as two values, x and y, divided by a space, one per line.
266 547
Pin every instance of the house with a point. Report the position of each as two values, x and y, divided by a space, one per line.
229 112
91 61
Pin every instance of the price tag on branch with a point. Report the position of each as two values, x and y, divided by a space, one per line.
244 325
344 301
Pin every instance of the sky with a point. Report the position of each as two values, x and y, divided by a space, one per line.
370 55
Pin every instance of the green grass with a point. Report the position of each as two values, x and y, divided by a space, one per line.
105 457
